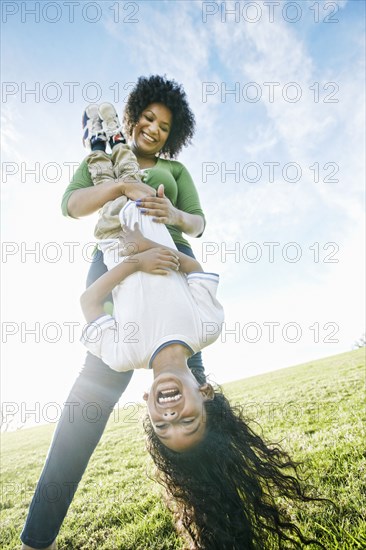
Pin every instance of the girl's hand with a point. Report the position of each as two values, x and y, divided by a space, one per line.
132 240
158 261
160 208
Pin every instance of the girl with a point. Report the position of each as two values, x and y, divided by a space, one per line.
223 481
168 301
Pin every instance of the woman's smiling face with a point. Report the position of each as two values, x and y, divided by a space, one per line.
152 130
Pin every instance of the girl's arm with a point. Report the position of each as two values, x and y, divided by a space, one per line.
187 264
158 261
134 241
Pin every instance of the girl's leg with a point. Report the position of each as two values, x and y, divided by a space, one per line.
87 409
124 162
100 167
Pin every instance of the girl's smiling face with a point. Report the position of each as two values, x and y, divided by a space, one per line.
152 130
176 410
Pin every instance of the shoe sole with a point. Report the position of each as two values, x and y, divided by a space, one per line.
108 115
91 111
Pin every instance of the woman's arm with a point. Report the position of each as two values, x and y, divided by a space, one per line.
158 261
82 198
191 224
83 202
191 218
164 212
88 200
186 213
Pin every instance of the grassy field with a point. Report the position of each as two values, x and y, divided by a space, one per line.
315 410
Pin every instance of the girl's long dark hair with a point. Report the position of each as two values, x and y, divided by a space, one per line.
226 491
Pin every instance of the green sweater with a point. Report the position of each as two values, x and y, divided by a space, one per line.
178 187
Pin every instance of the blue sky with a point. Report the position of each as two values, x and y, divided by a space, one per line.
311 129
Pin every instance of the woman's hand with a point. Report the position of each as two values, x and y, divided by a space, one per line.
135 190
160 208
158 261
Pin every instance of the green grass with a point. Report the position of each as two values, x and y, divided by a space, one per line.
315 410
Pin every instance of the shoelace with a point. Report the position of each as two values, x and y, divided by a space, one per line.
112 127
96 126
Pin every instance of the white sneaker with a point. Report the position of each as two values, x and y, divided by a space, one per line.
110 121
92 126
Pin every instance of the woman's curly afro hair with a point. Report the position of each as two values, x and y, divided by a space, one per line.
158 89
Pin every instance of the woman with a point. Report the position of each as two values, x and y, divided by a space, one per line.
158 121
221 478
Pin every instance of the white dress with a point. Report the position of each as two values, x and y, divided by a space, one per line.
152 311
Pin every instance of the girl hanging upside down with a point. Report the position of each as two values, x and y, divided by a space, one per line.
163 304
222 480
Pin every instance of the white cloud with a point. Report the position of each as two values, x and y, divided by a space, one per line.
11 123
